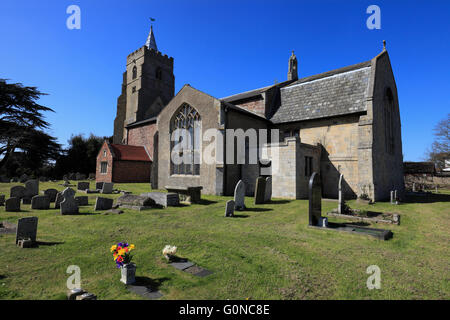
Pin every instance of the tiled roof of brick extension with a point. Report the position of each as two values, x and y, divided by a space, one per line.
129 153
337 92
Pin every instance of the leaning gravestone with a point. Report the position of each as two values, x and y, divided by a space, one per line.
51 194
229 208
12 205
260 190
31 188
68 205
103 203
99 185
17 192
340 196
40 202
107 187
315 199
82 200
27 229
268 190
239 196
83 186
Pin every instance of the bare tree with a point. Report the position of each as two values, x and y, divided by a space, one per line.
440 149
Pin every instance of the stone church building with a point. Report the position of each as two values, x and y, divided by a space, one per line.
342 121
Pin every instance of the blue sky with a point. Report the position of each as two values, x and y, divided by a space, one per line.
222 48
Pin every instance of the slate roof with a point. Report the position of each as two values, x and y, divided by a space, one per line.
337 92
253 93
129 153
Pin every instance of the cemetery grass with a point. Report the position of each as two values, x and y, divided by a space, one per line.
266 252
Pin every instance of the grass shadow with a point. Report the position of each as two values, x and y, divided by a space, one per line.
258 209
2 277
278 201
147 282
427 198
44 243
240 216
205 202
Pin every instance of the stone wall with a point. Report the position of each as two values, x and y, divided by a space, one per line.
288 168
387 165
247 172
339 139
209 110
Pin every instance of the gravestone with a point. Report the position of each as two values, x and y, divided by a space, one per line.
239 196
58 200
163 199
2 199
91 176
83 186
414 187
51 194
31 188
68 205
82 200
40 203
107 187
268 190
14 179
229 208
17 192
103 203
340 195
260 190
395 197
12 205
315 199
392 197
99 185
26 229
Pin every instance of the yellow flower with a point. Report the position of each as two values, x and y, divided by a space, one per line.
113 248
131 247
121 252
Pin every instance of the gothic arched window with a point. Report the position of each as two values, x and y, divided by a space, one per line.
389 121
186 130
134 72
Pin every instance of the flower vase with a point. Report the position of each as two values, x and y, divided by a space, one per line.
128 272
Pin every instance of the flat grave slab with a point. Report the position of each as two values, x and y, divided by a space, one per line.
381 234
182 265
145 291
198 271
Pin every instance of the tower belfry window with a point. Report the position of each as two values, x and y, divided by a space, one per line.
134 72
158 74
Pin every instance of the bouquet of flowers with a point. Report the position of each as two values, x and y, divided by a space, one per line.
121 253
169 251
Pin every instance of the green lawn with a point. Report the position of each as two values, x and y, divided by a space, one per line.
266 253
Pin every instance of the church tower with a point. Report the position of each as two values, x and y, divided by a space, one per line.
148 85
292 72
